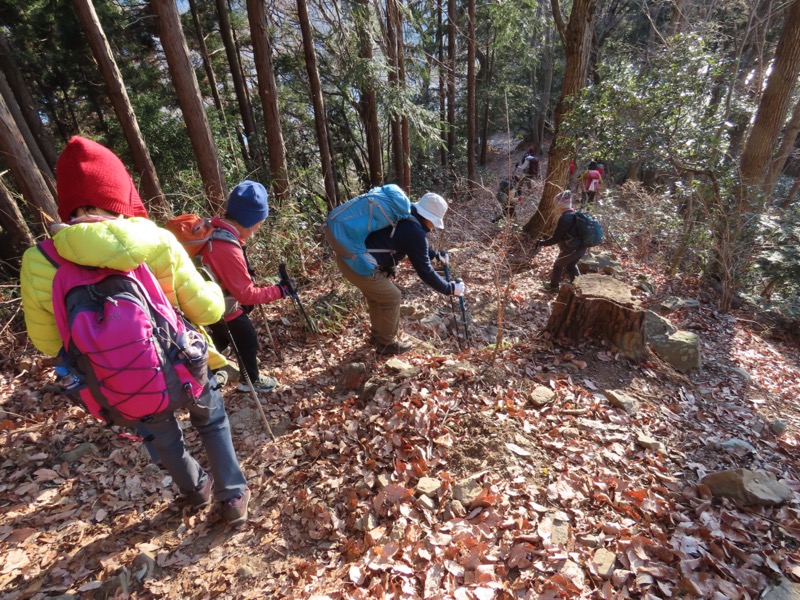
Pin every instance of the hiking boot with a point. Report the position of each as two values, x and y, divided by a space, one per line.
264 384
201 497
221 377
234 511
232 372
393 348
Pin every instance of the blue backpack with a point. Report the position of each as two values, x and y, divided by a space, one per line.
348 225
590 231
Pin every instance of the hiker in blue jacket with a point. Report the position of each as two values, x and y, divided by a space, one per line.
409 239
568 240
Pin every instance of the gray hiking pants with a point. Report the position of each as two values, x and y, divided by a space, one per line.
208 416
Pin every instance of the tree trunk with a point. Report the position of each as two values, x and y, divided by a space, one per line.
201 43
368 101
487 81
268 91
13 223
576 37
28 177
401 77
774 102
471 116
394 82
26 103
252 149
784 151
442 71
547 85
191 103
318 101
30 141
787 202
601 308
153 195
451 78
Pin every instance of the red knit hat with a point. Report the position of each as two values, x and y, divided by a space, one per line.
88 174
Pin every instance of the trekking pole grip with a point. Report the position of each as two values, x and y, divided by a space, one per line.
285 279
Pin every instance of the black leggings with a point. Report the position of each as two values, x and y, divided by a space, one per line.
244 336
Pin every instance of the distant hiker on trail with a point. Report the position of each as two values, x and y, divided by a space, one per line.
385 248
107 289
507 197
225 256
568 240
590 183
527 169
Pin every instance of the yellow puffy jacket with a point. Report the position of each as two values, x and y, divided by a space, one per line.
121 244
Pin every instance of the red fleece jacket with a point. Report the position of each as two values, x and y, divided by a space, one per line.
226 261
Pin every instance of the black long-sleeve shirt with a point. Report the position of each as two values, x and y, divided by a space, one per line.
566 231
410 239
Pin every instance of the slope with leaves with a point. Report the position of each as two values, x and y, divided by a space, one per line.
562 495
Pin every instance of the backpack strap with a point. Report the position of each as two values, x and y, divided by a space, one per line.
48 249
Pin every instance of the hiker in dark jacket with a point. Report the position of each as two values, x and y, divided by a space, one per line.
568 240
409 239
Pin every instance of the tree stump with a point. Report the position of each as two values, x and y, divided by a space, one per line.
599 307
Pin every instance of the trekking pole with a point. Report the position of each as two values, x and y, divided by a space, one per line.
452 306
464 314
311 325
269 333
243 373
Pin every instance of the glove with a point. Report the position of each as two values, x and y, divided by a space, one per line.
459 288
288 286
443 257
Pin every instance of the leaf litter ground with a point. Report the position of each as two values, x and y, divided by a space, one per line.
562 501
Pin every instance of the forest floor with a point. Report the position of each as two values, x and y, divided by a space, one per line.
453 473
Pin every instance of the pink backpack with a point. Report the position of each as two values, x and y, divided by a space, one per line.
135 355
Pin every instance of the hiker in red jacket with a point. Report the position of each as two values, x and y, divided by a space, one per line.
246 210
590 183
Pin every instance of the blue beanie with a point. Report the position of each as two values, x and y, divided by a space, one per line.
247 204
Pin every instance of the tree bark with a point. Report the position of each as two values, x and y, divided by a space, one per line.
601 308
201 42
368 101
12 222
401 77
151 186
30 141
394 81
442 71
576 37
22 93
784 151
252 149
191 103
451 77
28 177
268 91
471 116
547 85
774 102
787 202
318 101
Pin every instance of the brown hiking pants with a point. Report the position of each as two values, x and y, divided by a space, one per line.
383 300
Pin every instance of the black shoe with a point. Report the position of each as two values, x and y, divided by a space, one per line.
551 288
393 348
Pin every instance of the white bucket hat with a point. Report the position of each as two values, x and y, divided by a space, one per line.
432 207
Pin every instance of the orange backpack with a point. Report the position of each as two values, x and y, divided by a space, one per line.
194 232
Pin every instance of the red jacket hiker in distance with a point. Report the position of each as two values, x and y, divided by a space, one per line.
227 262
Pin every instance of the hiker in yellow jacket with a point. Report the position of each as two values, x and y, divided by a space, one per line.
107 227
